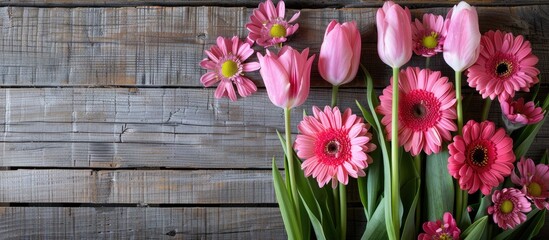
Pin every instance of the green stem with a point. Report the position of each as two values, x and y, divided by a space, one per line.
290 158
395 185
340 195
486 109
458 98
427 61
417 161
342 211
335 89
335 193
461 203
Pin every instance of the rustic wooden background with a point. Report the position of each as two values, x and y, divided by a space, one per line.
108 133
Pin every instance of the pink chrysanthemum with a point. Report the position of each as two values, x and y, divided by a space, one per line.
534 180
445 229
333 145
509 207
505 65
267 25
481 157
225 64
428 36
520 112
426 110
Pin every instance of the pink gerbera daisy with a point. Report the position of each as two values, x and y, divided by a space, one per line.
505 65
509 207
225 64
520 113
534 180
267 25
481 157
428 36
426 110
445 229
333 145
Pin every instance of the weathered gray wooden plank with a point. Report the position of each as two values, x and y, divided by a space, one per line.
253 3
161 46
141 187
137 186
152 223
157 127
140 223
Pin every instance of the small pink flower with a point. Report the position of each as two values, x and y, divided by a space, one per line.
267 25
509 207
481 157
520 113
534 180
426 110
506 65
339 56
445 229
286 76
429 35
333 145
225 64
394 34
462 42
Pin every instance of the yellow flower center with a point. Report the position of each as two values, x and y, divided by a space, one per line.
430 41
444 236
229 68
506 206
534 189
277 31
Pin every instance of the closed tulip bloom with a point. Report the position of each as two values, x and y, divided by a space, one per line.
286 76
340 53
394 34
462 43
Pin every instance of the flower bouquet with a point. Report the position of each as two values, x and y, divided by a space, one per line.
423 169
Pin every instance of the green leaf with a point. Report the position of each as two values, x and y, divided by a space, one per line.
409 228
282 141
369 187
465 219
362 183
315 221
484 203
476 229
286 205
527 138
375 229
528 134
438 185
313 198
372 101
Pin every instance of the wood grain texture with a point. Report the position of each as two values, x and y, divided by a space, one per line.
158 127
139 187
103 97
253 3
161 46
151 223
143 187
140 223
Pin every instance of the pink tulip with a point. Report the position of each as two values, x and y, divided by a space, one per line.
286 76
462 43
340 53
394 34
